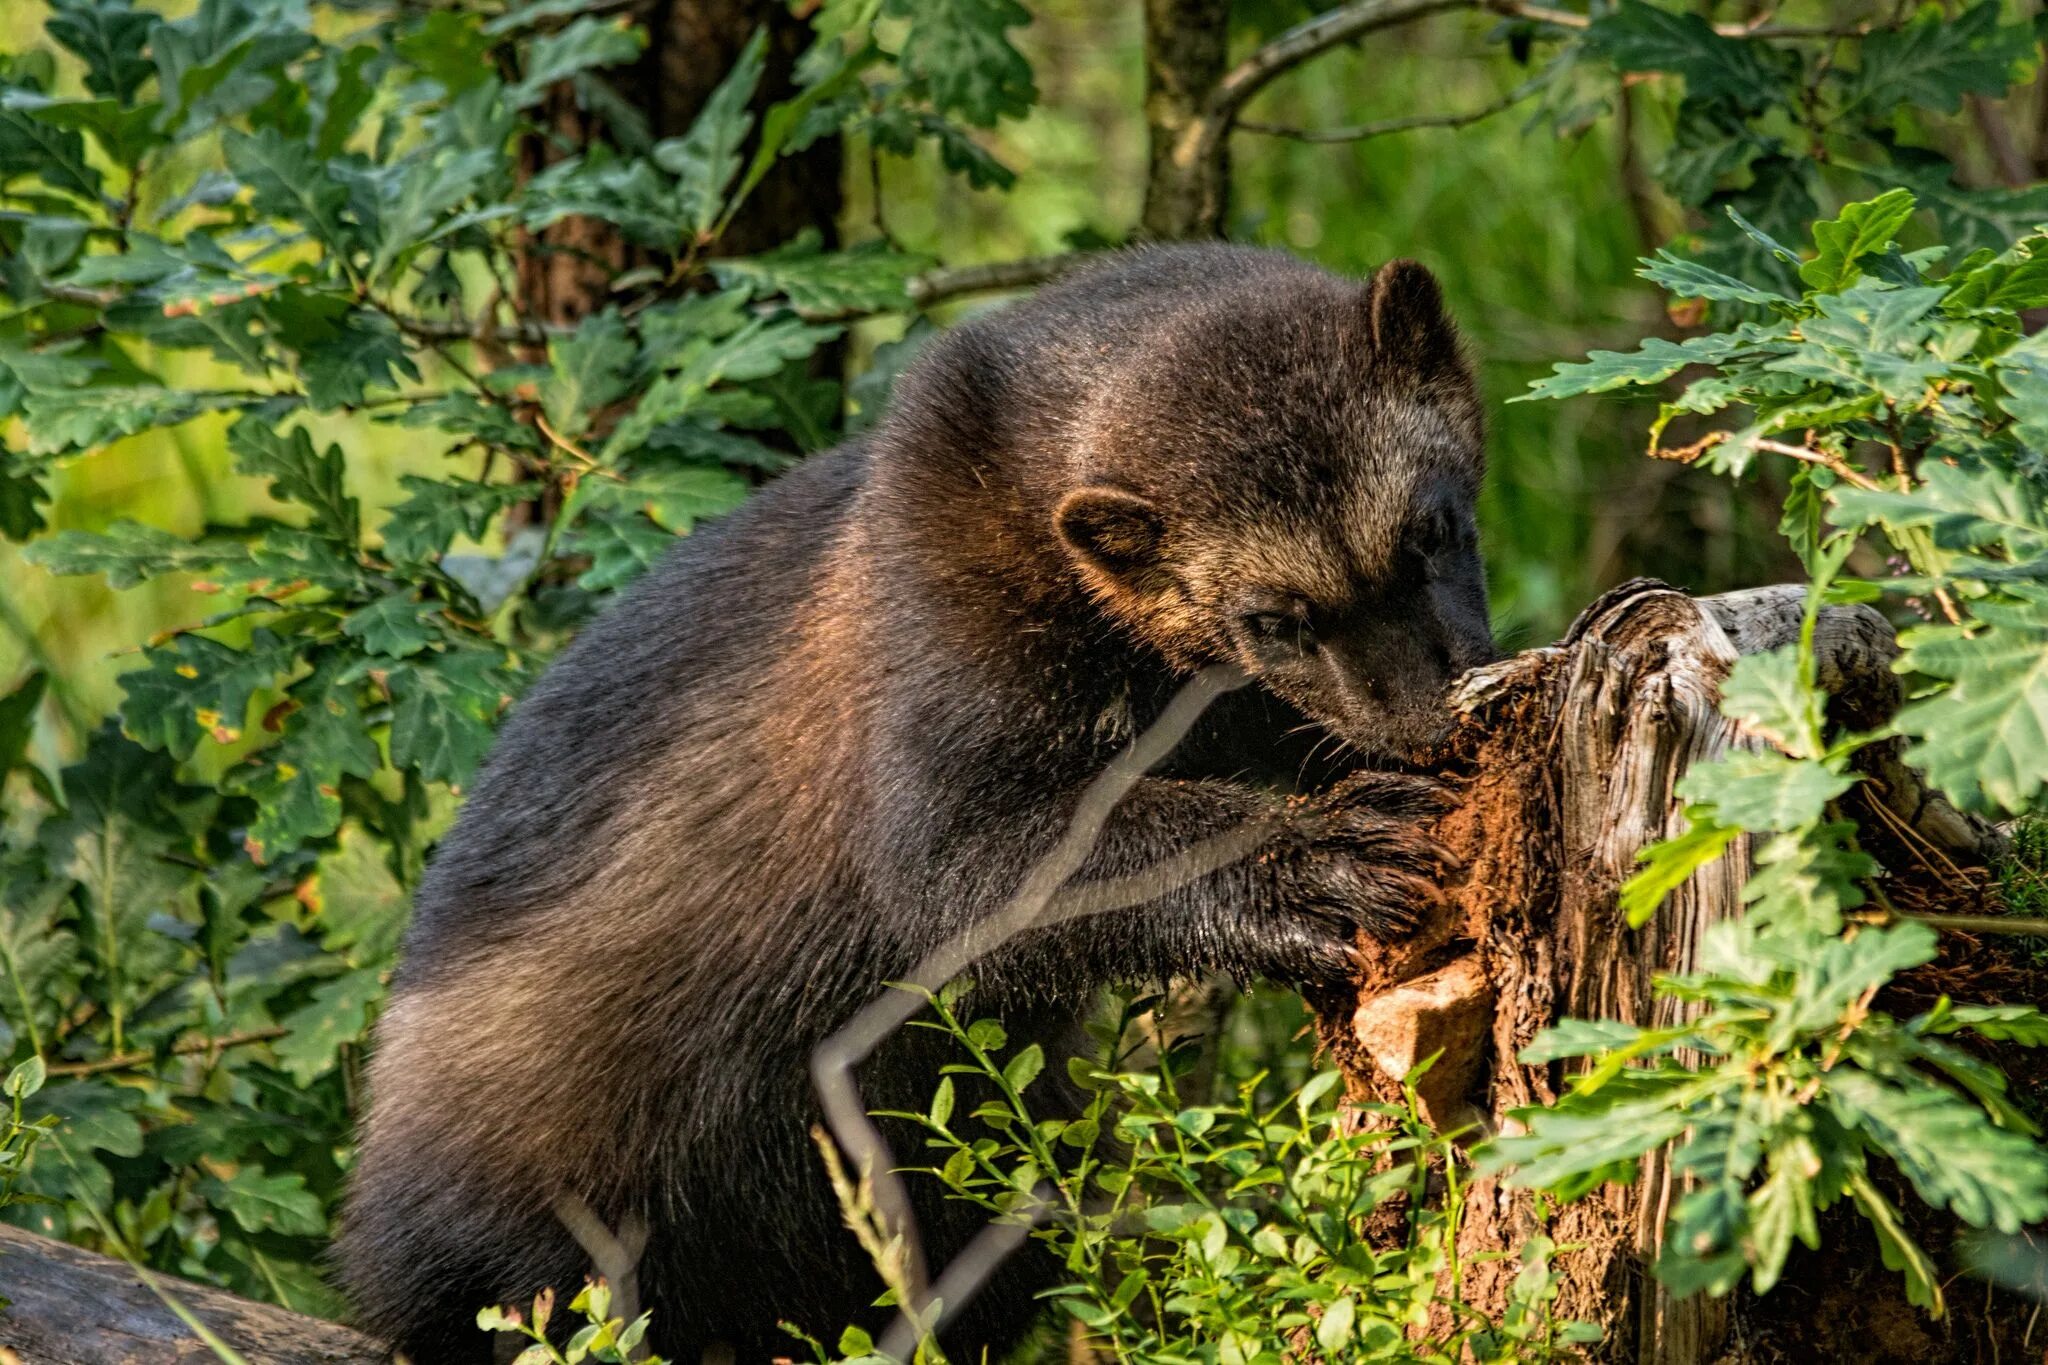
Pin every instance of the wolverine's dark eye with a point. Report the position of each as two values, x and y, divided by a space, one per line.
1433 543
1278 630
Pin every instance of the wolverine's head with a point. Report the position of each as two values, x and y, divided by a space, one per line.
1282 475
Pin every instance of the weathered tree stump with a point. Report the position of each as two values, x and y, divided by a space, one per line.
74 1307
1573 752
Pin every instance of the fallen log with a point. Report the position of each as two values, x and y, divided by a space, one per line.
1572 753
75 1307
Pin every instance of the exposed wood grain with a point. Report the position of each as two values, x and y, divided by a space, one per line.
1573 753
74 1307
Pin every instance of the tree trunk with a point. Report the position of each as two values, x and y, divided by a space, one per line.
1574 751
75 1307
1187 187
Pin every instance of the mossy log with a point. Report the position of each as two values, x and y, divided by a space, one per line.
1571 755
75 1307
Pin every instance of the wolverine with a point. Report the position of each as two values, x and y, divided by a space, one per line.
837 728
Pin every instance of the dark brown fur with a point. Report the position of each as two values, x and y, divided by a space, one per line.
835 729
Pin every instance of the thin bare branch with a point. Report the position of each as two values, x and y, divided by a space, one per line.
1037 900
438 329
190 1047
1359 132
1311 38
937 286
1564 18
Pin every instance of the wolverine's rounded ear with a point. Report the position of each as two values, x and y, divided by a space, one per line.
1114 531
1409 325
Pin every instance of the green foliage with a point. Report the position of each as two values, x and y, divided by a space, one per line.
285 227
1773 130
1910 394
1226 1231
601 1339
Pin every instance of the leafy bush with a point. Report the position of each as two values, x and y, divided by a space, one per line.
1252 1229
1912 404
1777 119
601 1339
290 234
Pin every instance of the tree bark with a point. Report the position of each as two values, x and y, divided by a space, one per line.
1187 186
1573 753
75 1307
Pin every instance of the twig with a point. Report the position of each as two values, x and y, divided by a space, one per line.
437 329
1564 18
1636 187
616 1255
72 293
1972 924
1311 38
1542 14
1834 464
561 442
1033 905
121 1061
937 286
1358 132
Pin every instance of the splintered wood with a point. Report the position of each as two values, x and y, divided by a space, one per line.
1570 756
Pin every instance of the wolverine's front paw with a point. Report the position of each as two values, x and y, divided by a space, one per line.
1366 865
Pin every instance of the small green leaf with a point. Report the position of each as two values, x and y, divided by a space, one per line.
587 43
108 36
1984 740
705 159
448 704
1670 863
298 472
1948 1147
1023 1068
127 553
297 781
2022 1024
291 182
1692 280
588 370
1932 62
25 1079
439 510
1641 37
1766 693
395 625
261 1202
873 277
338 1014
1333 1332
195 688
1764 791
1896 1245
1860 230
1655 361
85 418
